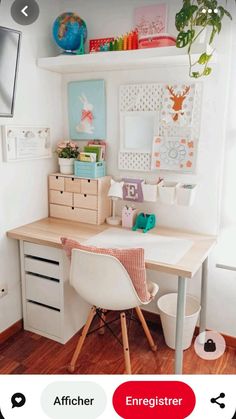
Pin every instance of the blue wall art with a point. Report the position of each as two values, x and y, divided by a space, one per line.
87 109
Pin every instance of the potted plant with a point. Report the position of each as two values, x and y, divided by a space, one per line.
67 153
191 21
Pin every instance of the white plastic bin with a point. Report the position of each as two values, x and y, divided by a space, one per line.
167 192
167 305
149 192
185 194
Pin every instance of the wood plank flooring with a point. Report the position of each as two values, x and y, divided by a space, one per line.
28 353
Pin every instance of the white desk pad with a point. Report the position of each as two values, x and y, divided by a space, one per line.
163 249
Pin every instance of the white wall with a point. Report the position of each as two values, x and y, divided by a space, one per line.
23 186
204 216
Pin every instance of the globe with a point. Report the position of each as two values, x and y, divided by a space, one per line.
69 32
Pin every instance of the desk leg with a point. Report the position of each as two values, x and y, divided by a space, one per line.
182 287
203 297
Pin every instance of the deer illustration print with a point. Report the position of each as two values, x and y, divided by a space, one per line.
178 98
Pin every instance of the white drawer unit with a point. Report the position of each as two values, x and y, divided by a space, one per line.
43 290
76 199
51 307
44 319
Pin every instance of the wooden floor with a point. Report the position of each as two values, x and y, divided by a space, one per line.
28 353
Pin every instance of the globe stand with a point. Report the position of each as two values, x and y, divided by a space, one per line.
81 50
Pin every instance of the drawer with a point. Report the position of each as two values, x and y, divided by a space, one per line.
72 185
56 183
86 215
61 198
59 211
44 252
86 201
76 214
41 267
89 187
42 290
43 319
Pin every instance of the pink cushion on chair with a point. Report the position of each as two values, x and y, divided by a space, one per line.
131 259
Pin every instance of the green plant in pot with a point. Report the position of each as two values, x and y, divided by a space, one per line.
67 153
195 17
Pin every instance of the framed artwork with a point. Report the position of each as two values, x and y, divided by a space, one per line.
26 143
173 153
151 20
87 109
177 105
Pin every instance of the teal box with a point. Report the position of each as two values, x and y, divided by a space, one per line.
90 170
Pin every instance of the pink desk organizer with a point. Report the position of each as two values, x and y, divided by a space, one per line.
128 217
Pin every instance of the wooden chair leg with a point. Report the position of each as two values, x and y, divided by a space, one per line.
146 329
71 367
101 323
125 343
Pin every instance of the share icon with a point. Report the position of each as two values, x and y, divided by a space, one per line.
214 400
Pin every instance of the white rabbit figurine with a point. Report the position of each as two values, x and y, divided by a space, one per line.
87 117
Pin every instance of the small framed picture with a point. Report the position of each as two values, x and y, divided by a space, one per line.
87 109
151 20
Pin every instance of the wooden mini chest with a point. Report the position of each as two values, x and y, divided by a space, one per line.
76 199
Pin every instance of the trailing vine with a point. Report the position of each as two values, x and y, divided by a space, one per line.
202 14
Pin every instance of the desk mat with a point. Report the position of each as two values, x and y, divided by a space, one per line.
157 248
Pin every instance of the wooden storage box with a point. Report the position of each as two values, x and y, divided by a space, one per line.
79 199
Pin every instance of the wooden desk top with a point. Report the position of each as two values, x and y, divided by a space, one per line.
48 231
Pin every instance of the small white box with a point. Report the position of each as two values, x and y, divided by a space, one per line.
149 192
167 192
185 194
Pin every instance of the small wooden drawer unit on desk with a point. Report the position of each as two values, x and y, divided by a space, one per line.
51 307
76 199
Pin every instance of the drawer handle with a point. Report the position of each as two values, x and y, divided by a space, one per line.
43 305
72 179
56 177
85 195
89 180
73 208
61 192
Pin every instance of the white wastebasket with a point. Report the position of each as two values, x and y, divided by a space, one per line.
167 305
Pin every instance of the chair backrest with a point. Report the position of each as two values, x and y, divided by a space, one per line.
102 281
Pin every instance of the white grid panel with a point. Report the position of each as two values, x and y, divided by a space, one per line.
135 161
149 97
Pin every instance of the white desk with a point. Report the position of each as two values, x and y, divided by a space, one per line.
47 233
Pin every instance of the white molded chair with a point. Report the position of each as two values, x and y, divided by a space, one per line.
103 282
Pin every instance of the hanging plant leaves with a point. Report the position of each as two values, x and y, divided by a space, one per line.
204 58
184 38
203 14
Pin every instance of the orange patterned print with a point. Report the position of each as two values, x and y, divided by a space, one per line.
190 144
183 141
157 154
158 163
178 100
158 140
189 163
191 154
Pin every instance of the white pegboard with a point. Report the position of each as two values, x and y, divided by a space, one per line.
135 161
141 97
152 97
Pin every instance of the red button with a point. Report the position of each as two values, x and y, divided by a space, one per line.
154 399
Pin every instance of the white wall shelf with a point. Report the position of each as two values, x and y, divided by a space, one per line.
117 60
